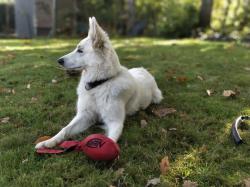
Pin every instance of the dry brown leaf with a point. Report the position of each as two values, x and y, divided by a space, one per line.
164 130
11 56
188 183
33 99
120 171
43 138
203 149
209 92
5 119
229 93
247 182
112 185
28 86
144 123
161 112
181 79
170 74
5 90
164 165
200 78
153 182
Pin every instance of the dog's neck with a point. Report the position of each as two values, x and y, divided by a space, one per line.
100 73
109 68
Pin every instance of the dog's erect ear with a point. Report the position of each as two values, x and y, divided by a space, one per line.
97 34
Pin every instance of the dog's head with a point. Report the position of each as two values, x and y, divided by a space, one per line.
92 52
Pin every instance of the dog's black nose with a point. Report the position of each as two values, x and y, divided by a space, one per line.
60 61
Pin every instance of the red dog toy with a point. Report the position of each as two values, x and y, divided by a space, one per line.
95 146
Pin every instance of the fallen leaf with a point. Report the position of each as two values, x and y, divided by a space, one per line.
5 90
25 160
188 183
54 81
153 182
112 186
200 78
120 171
144 123
183 115
43 138
181 79
126 143
209 92
28 86
247 68
247 182
11 56
161 112
164 165
170 74
164 130
203 149
172 129
229 93
5 119
33 99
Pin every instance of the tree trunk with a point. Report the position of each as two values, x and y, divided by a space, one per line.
225 16
7 29
205 13
130 15
246 17
25 18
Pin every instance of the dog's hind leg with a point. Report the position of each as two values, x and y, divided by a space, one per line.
79 123
157 95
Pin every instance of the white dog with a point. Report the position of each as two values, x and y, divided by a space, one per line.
107 91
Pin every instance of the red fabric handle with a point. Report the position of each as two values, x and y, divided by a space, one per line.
66 146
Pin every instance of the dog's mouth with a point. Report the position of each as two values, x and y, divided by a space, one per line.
78 68
75 68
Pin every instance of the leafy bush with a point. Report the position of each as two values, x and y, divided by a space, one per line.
170 18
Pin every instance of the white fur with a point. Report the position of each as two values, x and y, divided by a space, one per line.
125 92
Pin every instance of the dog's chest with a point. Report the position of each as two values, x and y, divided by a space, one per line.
98 97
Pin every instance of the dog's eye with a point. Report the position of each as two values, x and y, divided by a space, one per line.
79 50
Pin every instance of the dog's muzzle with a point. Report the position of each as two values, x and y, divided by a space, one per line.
61 61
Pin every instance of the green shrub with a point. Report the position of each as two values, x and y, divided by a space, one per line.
169 18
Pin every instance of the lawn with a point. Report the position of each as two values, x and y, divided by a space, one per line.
196 138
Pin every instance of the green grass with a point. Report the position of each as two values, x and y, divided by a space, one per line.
200 149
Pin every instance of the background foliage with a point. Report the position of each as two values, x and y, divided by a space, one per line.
224 19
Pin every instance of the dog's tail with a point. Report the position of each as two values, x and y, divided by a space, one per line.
157 95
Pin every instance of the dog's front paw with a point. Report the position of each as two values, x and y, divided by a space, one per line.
47 143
